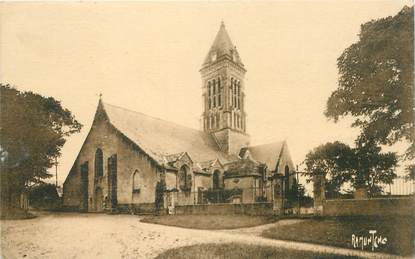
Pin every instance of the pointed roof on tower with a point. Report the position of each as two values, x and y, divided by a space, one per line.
222 47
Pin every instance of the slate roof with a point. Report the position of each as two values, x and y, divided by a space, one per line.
163 140
242 167
166 141
174 157
222 46
267 153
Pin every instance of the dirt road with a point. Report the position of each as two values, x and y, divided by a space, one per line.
74 235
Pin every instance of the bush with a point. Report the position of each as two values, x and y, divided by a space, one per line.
221 195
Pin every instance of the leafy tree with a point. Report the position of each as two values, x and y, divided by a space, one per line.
376 82
44 196
332 160
362 166
297 194
32 133
411 170
372 167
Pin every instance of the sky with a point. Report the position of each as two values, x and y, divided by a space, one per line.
146 56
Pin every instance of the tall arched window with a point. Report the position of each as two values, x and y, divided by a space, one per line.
185 178
239 95
242 124
99 163
214 94
234 94
231 93
136 181
209 93
219 93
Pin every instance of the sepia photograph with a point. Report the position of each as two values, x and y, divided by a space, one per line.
207 129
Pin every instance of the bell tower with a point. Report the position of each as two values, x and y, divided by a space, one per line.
223 94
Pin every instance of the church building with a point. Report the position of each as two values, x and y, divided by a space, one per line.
129 158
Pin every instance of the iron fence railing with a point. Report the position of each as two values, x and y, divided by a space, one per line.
217 196
401 186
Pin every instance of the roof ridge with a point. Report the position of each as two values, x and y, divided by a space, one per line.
152 117
269 143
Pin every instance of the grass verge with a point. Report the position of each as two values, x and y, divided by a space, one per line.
234 250
399 232
15 213
209 221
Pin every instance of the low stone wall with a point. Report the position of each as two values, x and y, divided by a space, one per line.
402 206
70 209
253 209
142 208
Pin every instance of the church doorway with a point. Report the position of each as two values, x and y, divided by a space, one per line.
99 200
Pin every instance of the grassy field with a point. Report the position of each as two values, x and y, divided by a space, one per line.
338 232
233 250
209 221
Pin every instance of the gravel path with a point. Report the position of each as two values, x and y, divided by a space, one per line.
73 235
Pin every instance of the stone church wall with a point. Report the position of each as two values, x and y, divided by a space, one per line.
245 183
286 161
231 141
72 189
171 180
129 161
103 136
202 180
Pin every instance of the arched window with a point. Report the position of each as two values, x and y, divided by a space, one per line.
239 95
230 93
214 100
219 93
185 179
230 96
136 181
287 179
234 94
99 163
216 180
219 100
